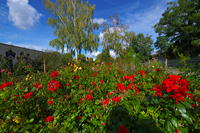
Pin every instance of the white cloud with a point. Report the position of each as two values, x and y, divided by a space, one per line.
22 14
99 20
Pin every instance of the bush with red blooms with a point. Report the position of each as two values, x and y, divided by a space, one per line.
100 98
174 87
5 84
54 74
38 86
53 85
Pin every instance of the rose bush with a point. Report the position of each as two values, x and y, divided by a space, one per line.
100 98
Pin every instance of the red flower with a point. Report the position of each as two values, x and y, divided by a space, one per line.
175 87
76 77
93 83
133 86
89 97
114 91
67 84
123 129
101 81
27 95
5 84
157 69
194 105
80 101
177 131
49 119
121 87
142 72
53 85
79 117
109 93
116 99
50 102
102 123
130 78
38 86
54 74
158 90
109 63
105 102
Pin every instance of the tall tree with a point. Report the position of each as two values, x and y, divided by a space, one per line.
142 44
118 38
180 27
114 35
73 25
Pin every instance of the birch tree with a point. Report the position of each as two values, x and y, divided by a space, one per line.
73 25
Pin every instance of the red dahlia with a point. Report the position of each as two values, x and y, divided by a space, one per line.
28 95
49 119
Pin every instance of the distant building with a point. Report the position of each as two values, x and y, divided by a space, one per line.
13 52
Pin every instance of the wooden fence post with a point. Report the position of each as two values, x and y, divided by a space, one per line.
165 62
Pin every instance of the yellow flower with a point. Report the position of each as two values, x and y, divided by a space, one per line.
80 68
70 80
75 69
17 120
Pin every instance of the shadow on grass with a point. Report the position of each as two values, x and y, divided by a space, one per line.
120 121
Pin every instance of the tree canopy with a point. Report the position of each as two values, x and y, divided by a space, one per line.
179 28
73 25
117 37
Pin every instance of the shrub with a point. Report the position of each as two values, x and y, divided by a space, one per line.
100 98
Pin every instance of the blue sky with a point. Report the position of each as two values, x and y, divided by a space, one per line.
24 22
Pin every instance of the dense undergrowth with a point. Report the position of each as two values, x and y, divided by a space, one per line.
100 97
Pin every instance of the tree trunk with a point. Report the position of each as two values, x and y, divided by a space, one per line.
76 54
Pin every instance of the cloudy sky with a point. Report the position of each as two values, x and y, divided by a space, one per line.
24 22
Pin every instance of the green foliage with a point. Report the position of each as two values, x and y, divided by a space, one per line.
116 37
73 24
73 112
82 58
53 60
178 29
104 56
142 45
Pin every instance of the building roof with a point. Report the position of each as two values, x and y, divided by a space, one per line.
20 47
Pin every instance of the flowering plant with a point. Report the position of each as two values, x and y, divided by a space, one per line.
102 99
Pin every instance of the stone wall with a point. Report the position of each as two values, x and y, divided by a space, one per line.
30 53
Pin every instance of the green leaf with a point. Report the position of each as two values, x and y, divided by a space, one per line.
174 122
182 110
169 127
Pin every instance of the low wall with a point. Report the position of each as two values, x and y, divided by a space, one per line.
30 53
